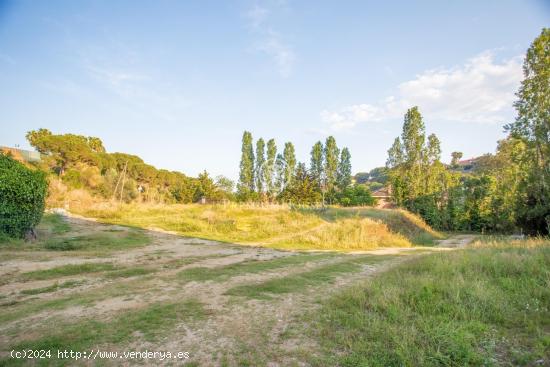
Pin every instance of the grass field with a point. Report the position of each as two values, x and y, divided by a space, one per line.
489 305
230 305
277 226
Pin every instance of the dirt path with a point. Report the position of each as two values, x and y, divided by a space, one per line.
236 329
458 241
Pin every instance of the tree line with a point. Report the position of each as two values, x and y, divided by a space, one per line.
82 162
269 176
509 190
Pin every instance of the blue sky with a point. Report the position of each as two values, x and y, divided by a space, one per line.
177 82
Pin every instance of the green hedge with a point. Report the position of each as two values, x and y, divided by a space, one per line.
22 197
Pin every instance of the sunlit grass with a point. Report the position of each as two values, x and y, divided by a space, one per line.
276 226
480 306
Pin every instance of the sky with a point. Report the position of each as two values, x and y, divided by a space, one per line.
177 82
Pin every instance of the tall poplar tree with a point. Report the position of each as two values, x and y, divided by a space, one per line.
316 163
331 155
290 162
395 154
344 170
260 166
246 172
269 167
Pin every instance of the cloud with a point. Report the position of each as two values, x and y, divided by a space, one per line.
141 92
257 15
281 53
268 40
480 91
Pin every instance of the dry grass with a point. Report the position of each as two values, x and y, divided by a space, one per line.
274 226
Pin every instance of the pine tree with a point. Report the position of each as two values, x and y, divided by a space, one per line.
290 162
331 154
260 166
316 163
269 167
344 170
246 173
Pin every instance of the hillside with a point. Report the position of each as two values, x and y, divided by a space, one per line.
275 226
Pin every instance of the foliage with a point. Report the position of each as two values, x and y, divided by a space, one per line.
22 197
482 306
532 126
260 166
246 174
83 163
358 195
303 188
343 177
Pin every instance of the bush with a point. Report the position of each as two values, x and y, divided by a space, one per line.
22 197
358 195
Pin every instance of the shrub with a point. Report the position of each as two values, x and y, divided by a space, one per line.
22 197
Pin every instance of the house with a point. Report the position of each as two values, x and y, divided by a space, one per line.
383 197
21 154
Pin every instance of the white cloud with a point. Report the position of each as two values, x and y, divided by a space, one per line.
270 41
481 91
257 15
282 54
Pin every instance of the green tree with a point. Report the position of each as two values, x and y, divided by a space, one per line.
269 172
260 166
290 162
22 197
303 187
532 125
455 158
331 154
246 174
343 178
280 171
395 154
316 162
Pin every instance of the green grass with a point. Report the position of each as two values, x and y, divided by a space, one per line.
107 240
67 270
51 288
481 306
298 282
129 272
54 223
150 322
222 273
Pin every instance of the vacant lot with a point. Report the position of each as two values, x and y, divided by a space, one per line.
91 286
86 285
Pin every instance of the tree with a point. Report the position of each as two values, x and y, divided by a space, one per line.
22 194
246 173
331 154
395 154
433 149
290 162
225 185
455 158
269 167
532 125
343 179
96 144
280 171
206 188
316 162
260 162
303 187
